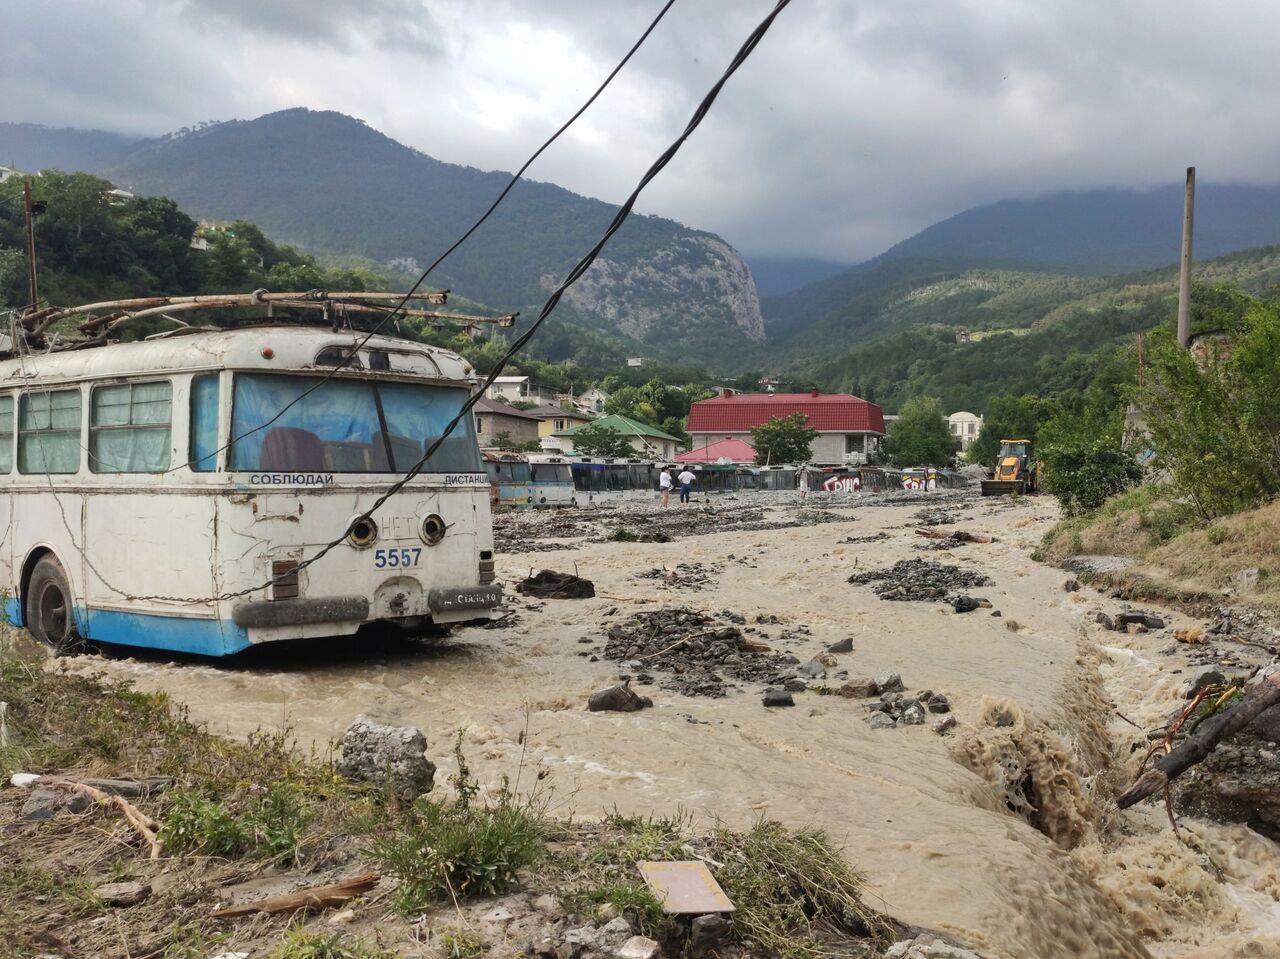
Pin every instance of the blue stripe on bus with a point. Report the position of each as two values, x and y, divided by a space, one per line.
179 634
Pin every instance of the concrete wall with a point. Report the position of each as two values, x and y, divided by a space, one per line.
489 425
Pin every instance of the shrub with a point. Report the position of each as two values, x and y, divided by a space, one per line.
1085 474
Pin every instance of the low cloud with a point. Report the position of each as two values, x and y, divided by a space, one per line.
852 126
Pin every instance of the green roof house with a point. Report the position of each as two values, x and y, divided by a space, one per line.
648 441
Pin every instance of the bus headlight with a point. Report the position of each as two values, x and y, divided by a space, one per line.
433 529
364 533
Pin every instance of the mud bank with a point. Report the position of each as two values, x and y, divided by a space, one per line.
1002 833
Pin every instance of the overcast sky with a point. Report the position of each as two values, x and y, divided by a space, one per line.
855 124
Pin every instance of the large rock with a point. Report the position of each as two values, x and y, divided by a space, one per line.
889 683
395 755
123 893
638 947
617 699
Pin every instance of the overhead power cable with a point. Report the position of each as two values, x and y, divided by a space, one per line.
515 178
548 307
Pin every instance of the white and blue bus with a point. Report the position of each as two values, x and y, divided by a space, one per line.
150 490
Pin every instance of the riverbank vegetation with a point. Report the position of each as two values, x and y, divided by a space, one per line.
261 811
1207 419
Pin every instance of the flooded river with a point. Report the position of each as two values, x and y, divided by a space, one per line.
1002 834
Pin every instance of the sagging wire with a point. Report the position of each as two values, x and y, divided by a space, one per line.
704 106
515 178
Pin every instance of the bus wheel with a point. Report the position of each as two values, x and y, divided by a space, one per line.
49 604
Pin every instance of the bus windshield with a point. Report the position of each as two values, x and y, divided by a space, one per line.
347 426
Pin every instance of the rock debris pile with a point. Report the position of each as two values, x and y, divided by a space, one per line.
920 580
697 654
684 576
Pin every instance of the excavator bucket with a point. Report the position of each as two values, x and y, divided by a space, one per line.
993 487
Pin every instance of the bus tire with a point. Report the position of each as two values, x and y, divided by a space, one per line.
49 614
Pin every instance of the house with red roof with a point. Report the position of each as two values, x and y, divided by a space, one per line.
849 427
727 450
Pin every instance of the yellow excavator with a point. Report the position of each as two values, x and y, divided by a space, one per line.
1014 471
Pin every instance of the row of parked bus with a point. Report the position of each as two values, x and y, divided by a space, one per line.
544 480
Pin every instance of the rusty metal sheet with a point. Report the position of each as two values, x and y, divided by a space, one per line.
685 887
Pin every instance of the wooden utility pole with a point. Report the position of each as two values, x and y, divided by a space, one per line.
1184 278
33 293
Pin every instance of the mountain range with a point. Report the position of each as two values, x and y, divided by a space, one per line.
331 184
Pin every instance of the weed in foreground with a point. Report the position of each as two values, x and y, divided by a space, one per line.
298 943
451 849
457 943
270 825
794 891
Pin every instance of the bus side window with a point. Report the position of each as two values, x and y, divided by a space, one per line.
6 433
49 432
129 427
202 451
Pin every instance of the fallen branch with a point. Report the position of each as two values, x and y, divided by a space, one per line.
1197 747
143 824
316 897
679 642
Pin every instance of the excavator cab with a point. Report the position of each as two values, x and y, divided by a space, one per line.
1014 472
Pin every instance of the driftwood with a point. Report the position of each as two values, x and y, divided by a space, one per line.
316 897
1197 747
144 825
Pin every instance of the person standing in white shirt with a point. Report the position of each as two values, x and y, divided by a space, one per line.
686 481
664 484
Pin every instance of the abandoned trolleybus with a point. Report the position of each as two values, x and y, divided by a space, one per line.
144 483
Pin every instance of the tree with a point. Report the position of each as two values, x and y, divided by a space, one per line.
1213 412
605 441
784 439
502 440
919 437
1009 418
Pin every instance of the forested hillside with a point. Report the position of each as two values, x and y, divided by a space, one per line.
1032 333
329 183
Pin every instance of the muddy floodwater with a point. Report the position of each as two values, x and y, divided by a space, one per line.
1002 834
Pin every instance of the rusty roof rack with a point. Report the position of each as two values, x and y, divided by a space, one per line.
102 319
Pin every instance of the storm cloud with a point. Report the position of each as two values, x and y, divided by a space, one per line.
854 124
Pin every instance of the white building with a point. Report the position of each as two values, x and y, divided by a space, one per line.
512 389
965 427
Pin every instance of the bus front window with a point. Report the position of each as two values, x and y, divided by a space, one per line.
346 426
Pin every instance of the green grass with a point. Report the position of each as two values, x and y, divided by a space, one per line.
459 944
454 848
298 943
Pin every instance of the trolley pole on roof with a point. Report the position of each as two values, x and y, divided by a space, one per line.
1184 277
33 293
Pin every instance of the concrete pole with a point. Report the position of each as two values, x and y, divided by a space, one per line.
1184 278
32 292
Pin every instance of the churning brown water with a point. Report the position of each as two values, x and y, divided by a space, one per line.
1003 834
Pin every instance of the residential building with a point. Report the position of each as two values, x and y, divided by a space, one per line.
593 400
8 172
494 418
647 441
849 428
770 384
727 450
556 419
511 389
965 427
